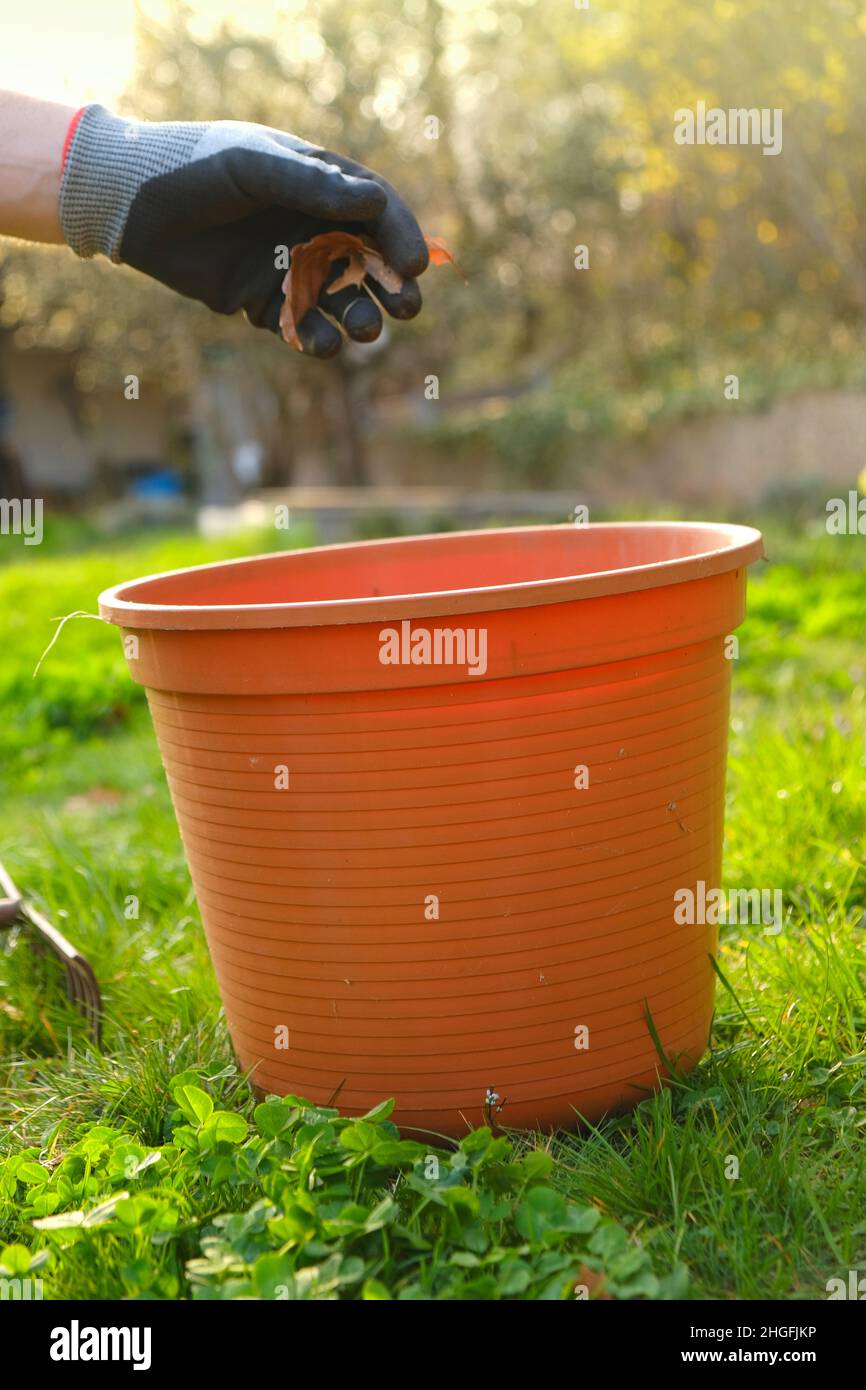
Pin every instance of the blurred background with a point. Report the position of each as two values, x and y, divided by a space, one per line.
520 130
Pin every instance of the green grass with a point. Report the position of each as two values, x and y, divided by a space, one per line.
782 1091
83 690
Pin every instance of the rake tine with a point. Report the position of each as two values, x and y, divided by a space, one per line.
76 989
76 985
81 978
82 987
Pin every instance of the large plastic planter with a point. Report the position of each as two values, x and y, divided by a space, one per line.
436 906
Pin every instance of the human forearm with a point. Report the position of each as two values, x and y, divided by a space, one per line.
32 134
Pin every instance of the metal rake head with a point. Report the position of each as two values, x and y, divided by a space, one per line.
81 984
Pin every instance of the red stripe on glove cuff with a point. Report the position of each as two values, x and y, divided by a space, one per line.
73 124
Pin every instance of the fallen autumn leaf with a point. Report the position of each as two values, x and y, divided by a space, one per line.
311 261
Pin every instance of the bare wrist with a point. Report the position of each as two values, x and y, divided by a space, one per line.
32 136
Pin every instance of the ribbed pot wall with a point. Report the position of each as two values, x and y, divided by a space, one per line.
420 883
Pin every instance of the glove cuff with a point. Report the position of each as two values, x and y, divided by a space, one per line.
107 161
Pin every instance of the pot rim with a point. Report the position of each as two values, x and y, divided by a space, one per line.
734 546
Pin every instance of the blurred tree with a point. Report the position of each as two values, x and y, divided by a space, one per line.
521 130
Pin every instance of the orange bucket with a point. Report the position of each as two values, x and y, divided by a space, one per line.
437 795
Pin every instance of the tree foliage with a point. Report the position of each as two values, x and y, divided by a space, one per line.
521 130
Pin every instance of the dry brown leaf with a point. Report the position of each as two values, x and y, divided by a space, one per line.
307 273
441 253
368 261
311 261
594 1282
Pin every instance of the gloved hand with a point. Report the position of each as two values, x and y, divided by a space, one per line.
204 207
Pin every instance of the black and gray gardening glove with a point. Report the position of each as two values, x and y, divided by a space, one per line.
204 207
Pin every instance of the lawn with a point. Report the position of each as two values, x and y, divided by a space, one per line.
148 1170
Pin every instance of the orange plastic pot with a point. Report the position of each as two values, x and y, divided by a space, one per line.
450 879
